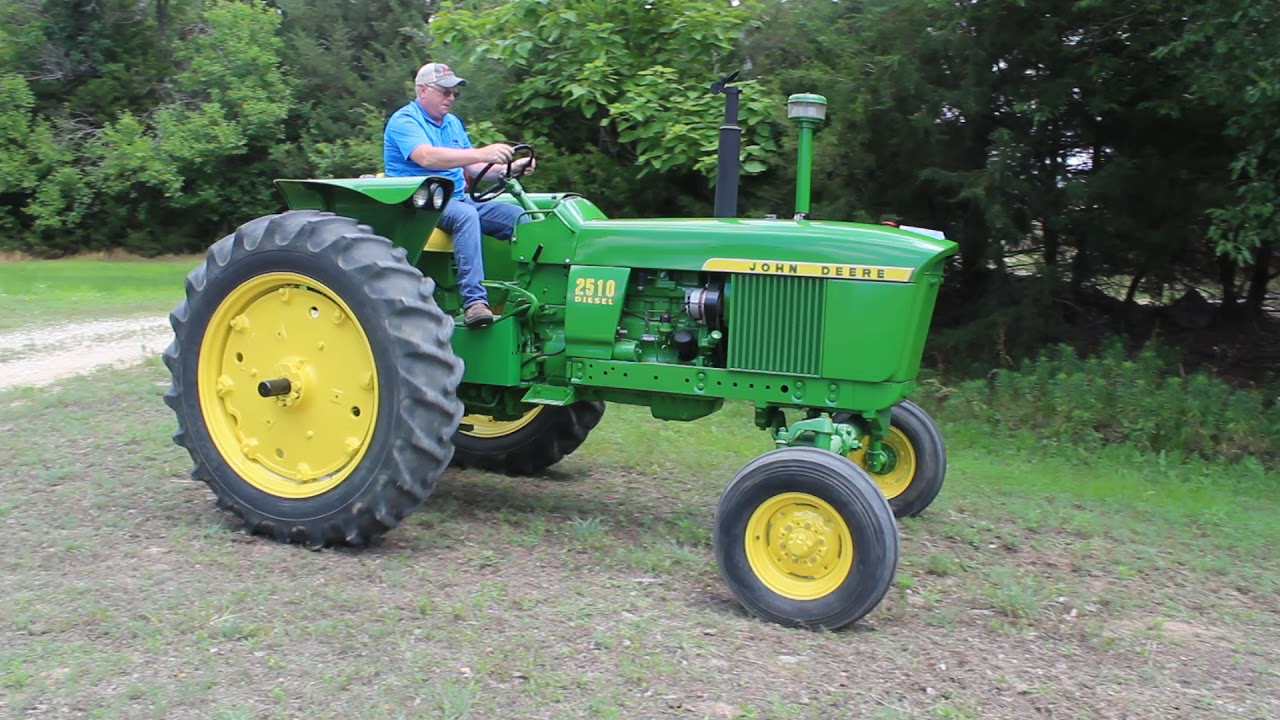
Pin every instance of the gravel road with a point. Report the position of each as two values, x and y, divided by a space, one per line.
39 356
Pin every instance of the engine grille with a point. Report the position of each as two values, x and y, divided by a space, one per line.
775 324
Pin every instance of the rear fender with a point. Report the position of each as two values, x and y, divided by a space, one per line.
385 204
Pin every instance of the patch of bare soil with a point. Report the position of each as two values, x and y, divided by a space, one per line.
36 356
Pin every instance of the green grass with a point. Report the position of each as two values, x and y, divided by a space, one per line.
1042 574
42 291
1100 580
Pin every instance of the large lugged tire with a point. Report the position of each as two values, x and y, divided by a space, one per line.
528 445
313 379
918 461
804 538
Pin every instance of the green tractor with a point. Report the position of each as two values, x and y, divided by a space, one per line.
323 380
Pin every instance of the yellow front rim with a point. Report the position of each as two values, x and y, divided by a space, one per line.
484 426
799 546
286 325
902 468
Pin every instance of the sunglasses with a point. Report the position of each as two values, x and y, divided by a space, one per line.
447 92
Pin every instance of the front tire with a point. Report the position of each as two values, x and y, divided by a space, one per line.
352 431
804 538
540 438
918 460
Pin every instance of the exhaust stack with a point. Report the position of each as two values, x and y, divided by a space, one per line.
727 162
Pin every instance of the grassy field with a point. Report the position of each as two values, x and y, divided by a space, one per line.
1067 583
49 291
1046 582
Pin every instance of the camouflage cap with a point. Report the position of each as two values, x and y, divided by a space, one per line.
438 74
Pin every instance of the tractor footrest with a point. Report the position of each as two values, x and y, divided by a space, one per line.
550 395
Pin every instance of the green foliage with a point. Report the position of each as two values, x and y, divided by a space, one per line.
234 64
623 83
665 139
17 163
21 33
158 180
1232 43
353 155
1143 401
1125 141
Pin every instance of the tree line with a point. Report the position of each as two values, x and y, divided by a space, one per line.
1076 141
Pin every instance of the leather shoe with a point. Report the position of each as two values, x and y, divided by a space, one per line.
478 316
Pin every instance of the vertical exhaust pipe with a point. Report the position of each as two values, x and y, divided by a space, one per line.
728 164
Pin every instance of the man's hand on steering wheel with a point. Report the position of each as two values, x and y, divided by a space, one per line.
521 167
517 167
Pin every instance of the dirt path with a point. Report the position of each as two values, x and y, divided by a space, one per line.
39 356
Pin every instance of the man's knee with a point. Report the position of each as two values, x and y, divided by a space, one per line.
459 217
500 219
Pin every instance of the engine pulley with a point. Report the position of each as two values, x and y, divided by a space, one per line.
706 304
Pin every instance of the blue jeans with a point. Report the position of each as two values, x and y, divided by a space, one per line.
466 219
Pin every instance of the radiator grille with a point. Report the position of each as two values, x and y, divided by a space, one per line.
775 324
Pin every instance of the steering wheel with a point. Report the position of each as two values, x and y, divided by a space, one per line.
497 187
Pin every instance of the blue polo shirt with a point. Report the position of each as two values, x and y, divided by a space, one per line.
410 127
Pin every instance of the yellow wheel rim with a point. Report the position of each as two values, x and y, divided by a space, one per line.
286 325
799 546
902 463
484 426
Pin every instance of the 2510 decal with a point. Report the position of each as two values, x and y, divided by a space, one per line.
594 291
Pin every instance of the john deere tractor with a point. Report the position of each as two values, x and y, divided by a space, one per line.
323 380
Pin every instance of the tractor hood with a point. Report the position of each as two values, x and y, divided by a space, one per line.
788 247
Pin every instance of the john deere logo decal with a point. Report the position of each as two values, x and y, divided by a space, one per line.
876 273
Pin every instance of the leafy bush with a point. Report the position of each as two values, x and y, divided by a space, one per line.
1113 398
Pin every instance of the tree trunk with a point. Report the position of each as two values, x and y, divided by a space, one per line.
1133 286
1080 270
1227 278
162 23
1051 247
1258 281
974 244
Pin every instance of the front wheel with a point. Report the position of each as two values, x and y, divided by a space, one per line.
917 462
804 538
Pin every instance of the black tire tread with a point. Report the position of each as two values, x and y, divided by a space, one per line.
426 375
931 458
839 481
557 432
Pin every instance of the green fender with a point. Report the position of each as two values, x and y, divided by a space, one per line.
385 204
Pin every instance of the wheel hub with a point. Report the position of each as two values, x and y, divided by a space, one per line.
803 539
895 468
296 337
293 373
799 546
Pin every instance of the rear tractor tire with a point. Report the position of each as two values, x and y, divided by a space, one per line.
540 438
918 460
313 379
804 538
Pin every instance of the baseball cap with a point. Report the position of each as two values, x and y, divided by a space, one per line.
438 74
